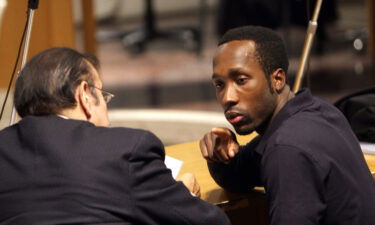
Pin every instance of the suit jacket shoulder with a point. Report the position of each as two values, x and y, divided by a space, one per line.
56 171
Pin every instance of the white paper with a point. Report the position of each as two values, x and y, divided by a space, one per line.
173 164
368 148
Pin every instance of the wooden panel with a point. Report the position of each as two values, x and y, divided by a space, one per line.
89 27
53 26
370 159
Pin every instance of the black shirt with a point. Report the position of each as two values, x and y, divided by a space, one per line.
310 164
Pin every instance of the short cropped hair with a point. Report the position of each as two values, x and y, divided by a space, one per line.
47 83
269 47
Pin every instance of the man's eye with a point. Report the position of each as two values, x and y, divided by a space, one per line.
218 85
241 80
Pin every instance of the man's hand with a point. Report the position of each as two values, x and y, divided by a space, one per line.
188 179
219 145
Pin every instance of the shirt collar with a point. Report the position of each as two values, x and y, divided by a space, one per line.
302 99
62 116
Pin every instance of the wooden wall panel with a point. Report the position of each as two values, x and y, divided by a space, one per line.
53 26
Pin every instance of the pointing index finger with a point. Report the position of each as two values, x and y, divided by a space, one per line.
223 133
227 138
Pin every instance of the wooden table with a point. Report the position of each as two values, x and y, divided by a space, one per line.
190 154
238 207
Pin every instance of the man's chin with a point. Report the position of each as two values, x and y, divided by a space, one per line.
244 130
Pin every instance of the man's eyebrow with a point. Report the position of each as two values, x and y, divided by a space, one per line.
235 71
231 72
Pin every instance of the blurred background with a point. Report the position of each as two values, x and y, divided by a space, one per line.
156 55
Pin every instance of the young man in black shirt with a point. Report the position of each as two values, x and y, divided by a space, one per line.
306 155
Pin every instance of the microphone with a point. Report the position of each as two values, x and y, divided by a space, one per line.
33 4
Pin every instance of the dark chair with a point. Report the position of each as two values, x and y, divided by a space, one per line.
136 41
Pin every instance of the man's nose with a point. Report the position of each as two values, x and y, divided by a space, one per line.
230 96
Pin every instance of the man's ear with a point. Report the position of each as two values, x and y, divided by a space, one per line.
278 80
82 96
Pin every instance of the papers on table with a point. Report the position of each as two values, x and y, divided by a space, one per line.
368 148
173 164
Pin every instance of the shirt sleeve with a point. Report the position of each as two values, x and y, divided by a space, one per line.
294 186
157 197
243 171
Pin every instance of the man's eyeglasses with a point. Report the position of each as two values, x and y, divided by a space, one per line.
106 95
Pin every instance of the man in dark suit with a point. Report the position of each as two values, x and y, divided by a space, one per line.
61 164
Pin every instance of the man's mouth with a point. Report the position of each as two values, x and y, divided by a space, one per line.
234 117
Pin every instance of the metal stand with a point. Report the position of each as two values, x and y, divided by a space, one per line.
33 5
313 24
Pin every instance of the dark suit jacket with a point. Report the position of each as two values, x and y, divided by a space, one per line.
59 171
